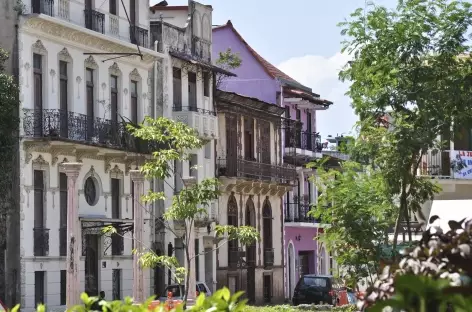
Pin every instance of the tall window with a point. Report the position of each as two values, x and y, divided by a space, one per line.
38 93
232 220
63 97
208 150
113 7
116 286
116 239
41 235
192 91
63 286
206 84
39 287
38 199
177 87
249 138
90 89
267 234
115 199
114 99
132 200
132 12
134 101
197 259
63 214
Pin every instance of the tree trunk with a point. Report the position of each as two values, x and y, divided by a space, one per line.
407 214
187 274
403 207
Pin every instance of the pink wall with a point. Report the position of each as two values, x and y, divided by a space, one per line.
306 243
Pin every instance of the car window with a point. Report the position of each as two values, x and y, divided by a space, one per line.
315 281
201 288
175 289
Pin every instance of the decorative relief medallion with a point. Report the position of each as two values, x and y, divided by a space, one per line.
52 73
27 68
78 79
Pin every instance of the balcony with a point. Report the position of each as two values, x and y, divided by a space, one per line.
255 171
298 212
202 120
439 164
139 36
62 241
268 257
56 124
94 20
40 242
43 7
302 144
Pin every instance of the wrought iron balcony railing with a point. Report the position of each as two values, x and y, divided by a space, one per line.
303 140
139 36
57 124
268 257
255 170
63 241
43 7
193 109
441 165
298 212
94 20
40 242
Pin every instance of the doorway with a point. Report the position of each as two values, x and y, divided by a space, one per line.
267 288
91 242
251 254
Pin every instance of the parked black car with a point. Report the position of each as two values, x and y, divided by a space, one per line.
316 289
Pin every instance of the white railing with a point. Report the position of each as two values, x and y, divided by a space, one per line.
63 9
114 25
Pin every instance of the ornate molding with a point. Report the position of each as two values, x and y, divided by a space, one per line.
91 63
35 24
40 164
116 173
108 159
134 75
114 69
64 55
38 48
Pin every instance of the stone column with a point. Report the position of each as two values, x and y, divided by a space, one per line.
72 171
138 275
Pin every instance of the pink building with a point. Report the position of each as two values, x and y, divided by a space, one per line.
301 143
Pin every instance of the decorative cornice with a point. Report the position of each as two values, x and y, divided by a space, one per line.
40 163
82 38
91 63
134 75
64 55
114 70
39 48
116 173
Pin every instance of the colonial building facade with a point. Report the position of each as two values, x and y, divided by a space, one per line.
253 182
82 69
299 144
183 34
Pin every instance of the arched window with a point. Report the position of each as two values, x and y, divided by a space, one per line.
267 233
232 220
250 221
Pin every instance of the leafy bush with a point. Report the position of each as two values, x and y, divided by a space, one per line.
432 276
302 307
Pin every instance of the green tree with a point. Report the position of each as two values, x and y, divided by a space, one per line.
9 167
407 63
356 203
176 140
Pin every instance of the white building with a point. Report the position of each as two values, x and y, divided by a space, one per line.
71 108
183 34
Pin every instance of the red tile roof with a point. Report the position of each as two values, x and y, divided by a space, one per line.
270 69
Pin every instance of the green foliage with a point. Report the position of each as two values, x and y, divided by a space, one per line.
413 64
176 141
432 275
303 307
228 60
355 202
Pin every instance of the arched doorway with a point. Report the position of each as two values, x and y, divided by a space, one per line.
251 254
232 210
291 269
268 248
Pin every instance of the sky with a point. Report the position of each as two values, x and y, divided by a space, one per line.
300 37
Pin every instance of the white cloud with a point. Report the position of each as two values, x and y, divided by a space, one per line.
321 74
